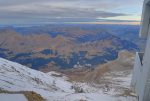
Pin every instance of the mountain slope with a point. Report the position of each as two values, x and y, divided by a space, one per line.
15 77
64 47
115 74
54 86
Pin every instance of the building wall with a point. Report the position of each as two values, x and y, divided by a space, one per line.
141 73
145 76
145 19
136 74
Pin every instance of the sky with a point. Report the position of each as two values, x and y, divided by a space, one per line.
70 11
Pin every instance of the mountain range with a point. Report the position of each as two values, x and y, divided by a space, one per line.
59 47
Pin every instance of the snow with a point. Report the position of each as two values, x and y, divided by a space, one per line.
15 77
12 97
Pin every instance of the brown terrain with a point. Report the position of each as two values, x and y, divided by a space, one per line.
42 51
124 63
18 43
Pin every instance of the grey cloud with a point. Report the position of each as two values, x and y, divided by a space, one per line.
40 11
49 11
90 3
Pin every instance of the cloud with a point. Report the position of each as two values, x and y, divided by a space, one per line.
60 10
48 11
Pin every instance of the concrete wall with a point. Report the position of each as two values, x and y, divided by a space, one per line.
141 73
145 19
136 74
145 76
140 83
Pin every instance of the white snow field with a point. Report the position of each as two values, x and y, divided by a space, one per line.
12 97
15 77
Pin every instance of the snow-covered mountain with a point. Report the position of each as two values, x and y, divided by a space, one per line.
54 86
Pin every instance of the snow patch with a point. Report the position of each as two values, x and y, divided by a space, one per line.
12 97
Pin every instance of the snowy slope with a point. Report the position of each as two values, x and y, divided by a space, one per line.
12 97
15 77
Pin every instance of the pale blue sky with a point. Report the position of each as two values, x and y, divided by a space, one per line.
83 11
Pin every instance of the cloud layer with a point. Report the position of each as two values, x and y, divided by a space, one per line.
31 11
